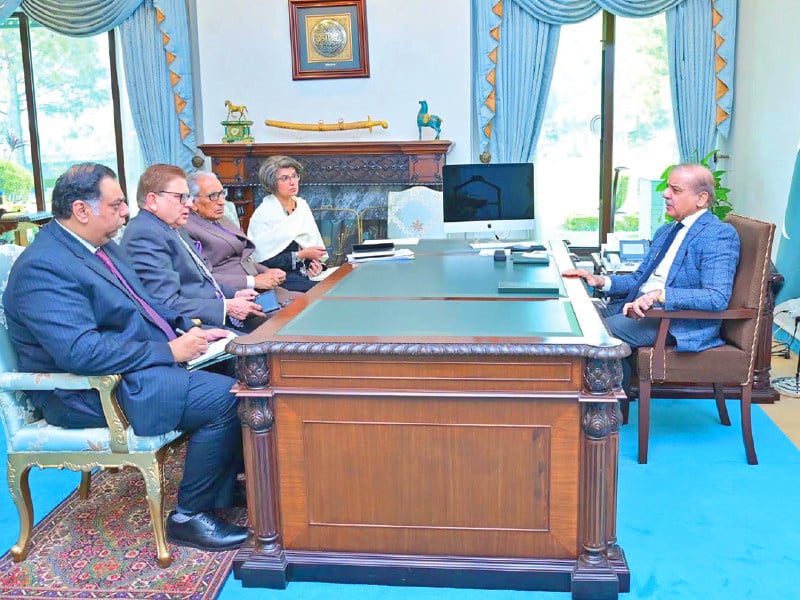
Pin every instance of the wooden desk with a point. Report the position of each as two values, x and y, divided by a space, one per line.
404 423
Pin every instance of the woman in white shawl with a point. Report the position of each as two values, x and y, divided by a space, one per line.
283 228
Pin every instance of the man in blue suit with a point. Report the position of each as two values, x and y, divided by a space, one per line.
74 304
169 265
690 266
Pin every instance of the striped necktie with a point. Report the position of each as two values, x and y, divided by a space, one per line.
634 291
151 312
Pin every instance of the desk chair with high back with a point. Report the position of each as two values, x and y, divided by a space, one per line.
732 363
33 442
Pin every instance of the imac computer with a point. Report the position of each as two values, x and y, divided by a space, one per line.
488 198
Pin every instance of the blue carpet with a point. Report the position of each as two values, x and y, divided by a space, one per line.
697 522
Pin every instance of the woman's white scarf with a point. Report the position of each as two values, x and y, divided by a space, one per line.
271 229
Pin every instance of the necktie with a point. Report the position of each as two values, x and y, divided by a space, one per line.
652 267
201 265
151 312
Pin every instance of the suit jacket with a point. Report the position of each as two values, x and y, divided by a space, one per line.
700 278
67 312
228 253
169 272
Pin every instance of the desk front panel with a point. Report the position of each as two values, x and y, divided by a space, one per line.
429 475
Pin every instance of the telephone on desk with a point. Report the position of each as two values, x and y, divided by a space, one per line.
627 260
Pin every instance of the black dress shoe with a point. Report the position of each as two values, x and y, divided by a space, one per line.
205 531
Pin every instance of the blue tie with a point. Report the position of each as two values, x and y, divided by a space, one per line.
634 291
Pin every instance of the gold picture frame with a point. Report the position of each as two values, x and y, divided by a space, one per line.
328 38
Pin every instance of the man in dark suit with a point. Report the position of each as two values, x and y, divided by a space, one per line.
226 249
690 266
74 304
168 263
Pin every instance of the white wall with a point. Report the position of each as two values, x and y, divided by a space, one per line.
418 50
765 130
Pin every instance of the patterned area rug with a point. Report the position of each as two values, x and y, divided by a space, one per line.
103 547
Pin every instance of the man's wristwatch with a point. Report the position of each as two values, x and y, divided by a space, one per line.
662 298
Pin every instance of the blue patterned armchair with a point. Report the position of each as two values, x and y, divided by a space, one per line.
33 442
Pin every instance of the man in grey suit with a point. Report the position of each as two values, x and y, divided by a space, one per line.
74 304
227 250
168 262
690 266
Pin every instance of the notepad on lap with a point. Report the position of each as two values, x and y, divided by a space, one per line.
528 287
215 352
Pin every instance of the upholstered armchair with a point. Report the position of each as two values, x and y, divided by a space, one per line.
731 364
33 442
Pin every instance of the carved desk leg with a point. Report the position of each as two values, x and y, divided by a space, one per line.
594 577
262 561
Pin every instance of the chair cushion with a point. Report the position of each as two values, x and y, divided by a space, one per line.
40 436
724 364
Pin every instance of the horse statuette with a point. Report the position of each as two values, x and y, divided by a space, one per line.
426 120
233 109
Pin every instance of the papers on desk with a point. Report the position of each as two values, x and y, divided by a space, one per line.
395 241
214 354
325 274
401 254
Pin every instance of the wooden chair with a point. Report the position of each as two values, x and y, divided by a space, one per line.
33 442
733 363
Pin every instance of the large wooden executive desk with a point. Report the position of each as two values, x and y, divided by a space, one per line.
405 423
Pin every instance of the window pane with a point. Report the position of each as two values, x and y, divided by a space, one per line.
644 134
72 84
16 173
567 162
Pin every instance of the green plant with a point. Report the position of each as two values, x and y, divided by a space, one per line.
722 206
15 181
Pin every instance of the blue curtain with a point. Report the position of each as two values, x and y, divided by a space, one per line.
156 53
155 50
691 73
725 44
523 83
523 75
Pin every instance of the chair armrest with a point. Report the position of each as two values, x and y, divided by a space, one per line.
106 386
728 313
666 316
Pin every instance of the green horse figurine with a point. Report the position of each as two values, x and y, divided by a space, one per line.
426 120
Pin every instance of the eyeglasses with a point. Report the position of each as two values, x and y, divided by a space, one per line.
288 178
214 196
182 198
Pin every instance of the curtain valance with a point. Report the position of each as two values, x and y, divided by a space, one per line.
563 12
73 17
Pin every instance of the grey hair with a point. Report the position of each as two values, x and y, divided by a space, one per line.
268 173
702 179
193 180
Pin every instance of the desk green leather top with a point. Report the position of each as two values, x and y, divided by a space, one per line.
444 276
395 318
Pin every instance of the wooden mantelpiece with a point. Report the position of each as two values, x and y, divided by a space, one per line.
391 164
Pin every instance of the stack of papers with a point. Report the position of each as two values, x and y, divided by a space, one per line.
401 254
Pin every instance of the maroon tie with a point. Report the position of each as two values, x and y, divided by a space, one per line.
157 319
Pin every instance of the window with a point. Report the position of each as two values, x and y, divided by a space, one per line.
577 163
62 101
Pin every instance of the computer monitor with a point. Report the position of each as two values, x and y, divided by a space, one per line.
488 198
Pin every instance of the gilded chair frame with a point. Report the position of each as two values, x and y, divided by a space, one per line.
119 454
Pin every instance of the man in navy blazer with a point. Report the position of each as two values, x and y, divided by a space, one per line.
74 304
693 270
167 262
